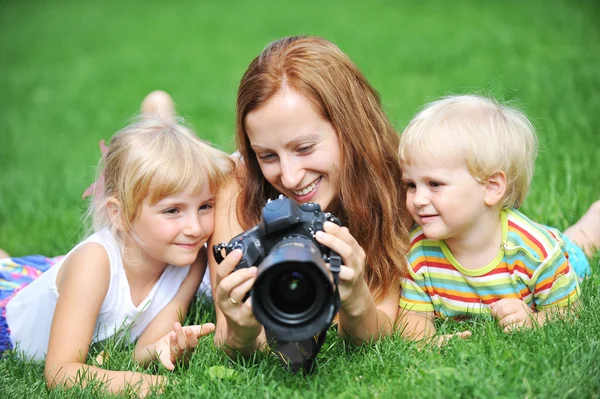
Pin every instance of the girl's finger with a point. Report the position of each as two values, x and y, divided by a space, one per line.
173 347
181 339
191 338
202 329
167 359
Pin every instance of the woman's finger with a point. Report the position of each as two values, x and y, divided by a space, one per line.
225 268
239 293
234 280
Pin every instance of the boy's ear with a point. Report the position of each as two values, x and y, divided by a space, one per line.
495 187
114 212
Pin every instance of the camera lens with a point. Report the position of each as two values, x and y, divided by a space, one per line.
293 295
292 292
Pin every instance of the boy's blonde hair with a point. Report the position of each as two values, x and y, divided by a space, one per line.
149 160
488 136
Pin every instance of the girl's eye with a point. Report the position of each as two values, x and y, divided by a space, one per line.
410 186
171 211
435 184
206 207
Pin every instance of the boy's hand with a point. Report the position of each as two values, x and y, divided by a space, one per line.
512 314
179 344
444 339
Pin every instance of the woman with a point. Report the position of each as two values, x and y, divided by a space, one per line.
310 127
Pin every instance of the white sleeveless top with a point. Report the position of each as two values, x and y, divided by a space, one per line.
29 313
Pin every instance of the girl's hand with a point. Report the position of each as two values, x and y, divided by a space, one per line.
352 283
232 288
179 344
512 314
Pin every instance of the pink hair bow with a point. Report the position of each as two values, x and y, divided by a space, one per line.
98 185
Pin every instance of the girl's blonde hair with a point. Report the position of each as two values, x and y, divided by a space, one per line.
488 136
367 201
149 160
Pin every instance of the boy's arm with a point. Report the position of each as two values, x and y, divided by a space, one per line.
419 326
416 325
555 294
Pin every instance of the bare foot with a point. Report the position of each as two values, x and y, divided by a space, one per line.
3 254
158 104
586 232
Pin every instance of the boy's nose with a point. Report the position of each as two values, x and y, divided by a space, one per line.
421 198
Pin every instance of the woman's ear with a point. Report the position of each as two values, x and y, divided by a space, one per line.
114 212
495 187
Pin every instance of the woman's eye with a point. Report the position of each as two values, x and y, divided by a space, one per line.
306 149
266 157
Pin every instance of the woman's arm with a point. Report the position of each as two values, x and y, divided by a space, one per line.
360 318
82 285
237 329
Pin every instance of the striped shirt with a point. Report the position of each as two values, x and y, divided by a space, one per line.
532 265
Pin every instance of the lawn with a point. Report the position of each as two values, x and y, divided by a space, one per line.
73 73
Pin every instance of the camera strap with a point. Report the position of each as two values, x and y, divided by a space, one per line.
335 265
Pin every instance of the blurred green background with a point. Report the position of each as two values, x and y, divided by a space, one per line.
74 72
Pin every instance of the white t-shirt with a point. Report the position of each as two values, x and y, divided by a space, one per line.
29 313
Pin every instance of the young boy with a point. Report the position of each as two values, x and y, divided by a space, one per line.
467 164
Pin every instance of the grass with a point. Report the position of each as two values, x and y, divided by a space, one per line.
72 73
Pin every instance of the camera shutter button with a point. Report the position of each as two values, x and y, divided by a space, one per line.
318 225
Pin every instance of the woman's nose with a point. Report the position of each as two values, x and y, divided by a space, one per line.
291 173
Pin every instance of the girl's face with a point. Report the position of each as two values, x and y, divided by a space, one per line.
298 151
173 230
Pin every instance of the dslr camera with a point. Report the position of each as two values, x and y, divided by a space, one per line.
295 296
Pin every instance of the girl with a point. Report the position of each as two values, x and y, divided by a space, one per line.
137 274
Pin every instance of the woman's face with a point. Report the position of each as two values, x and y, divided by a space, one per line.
298 151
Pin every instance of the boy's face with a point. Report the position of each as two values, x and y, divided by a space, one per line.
446 200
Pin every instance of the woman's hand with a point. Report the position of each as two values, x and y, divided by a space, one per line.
179 344
352 283
242 327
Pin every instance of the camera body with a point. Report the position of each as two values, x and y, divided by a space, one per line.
294 295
